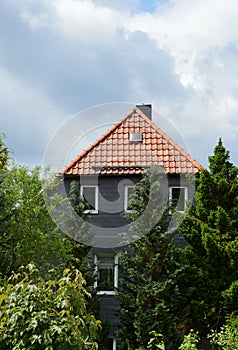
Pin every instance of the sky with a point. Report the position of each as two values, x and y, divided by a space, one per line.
60 57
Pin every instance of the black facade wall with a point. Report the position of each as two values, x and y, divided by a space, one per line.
110 214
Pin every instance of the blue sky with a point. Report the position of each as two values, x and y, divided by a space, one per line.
59 57
149 6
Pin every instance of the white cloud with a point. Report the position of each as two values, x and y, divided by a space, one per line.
193 42
78 20
188 30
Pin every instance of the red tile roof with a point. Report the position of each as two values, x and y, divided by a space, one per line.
114 153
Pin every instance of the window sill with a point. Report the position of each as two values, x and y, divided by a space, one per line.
90 212
176 211
129 211
106 292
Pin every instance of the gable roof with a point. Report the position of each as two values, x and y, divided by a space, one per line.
113 153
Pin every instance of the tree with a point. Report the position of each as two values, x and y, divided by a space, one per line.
152 292
210 230
227 338
5 212
27 231
36 314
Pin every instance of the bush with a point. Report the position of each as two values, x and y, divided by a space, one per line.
227 338
190 341
45 315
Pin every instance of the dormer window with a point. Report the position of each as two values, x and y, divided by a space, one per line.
135 136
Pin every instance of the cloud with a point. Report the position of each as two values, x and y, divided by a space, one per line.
29 117
190 31
182 57
76 20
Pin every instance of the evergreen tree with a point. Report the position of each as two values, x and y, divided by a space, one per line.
211 230
152 293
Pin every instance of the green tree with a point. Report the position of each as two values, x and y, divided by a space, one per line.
28 232
5 212
152 293
52 314
227 338
210 230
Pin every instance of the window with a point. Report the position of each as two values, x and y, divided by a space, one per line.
106 273
178 195
135 136
90 194
128 192
111 344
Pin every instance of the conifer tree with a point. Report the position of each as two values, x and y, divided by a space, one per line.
211 231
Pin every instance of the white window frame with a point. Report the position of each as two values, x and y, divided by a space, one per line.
185 195
114 343
126 197
91 211
96 263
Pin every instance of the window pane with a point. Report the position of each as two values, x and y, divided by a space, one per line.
110 344
89 194
178 198
130 191
106 273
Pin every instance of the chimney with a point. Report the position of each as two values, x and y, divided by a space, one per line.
146 109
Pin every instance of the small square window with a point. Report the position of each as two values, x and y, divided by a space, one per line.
135 136
106 273
90 195
128 192
178 196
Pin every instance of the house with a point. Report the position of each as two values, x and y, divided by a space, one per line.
106 173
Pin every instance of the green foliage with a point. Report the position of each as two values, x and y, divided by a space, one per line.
152 293
156 342
38 314
212 252
230 297
227 338
190 341
4 153
27 232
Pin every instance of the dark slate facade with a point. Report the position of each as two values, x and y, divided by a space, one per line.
111 200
